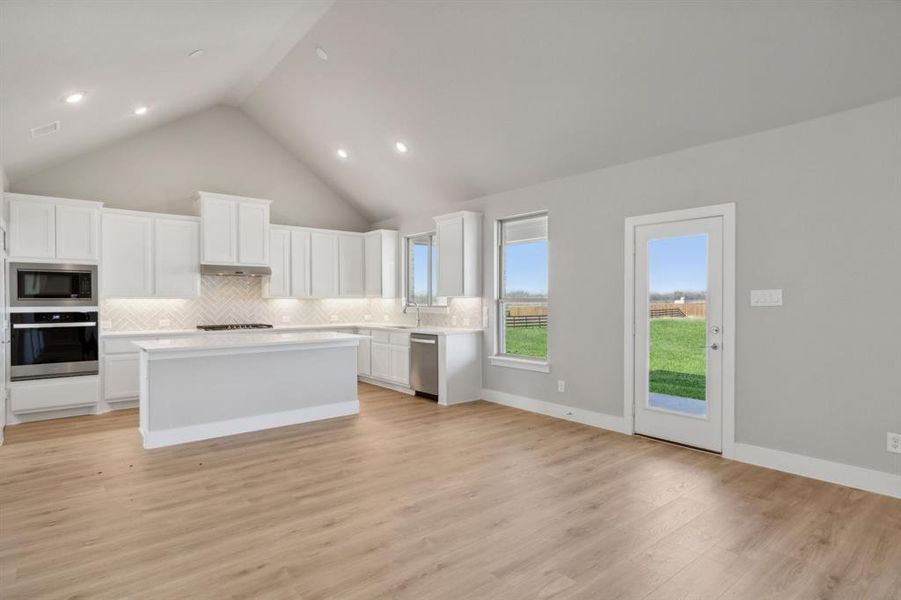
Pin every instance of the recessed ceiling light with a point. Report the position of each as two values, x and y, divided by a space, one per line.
75 98
196 53
342 153
321 53
141 110
400 147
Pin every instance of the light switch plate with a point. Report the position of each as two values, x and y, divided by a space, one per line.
286 319
766 297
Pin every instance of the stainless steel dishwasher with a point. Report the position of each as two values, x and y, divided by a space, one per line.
424 364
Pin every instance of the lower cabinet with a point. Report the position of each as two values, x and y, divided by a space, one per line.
390 357
364 358
120 377
381 360
42 395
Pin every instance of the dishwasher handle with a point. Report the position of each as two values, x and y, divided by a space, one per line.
422 341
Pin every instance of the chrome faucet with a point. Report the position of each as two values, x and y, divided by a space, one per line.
418 314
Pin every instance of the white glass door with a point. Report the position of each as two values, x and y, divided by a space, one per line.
678 331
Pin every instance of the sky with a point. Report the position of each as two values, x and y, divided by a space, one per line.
678 263
526 267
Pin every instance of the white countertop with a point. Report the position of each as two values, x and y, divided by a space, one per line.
241 341
289 328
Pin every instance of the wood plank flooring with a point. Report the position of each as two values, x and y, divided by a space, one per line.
411 500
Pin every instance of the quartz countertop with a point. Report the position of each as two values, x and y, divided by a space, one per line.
288 328
240 341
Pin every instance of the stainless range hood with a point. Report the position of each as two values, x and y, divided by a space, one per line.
234 271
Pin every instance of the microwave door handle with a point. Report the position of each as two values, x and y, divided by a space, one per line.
52 325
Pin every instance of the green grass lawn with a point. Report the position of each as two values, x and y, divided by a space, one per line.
527 341
678 357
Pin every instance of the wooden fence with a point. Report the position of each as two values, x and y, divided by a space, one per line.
697 310
526 316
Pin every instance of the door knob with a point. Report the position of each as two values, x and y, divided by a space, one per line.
714 346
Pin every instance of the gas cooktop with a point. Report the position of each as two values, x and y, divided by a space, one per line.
231 326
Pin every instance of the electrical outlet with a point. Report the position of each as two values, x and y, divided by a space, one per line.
893 442
286 319
453 320
106 324
165 322
367 317
333 318
465 322
561 386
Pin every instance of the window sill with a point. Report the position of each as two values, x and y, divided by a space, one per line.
526 364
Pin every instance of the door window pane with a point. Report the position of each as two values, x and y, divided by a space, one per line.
677 276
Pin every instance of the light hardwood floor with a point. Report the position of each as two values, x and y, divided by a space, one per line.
411 500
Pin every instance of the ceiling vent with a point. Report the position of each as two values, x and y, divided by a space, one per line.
45 129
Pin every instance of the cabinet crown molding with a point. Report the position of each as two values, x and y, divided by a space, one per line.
52 200
219 196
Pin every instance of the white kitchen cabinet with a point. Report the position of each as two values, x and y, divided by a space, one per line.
234 230
300 264
400 365
176 257
380 258
146 255
127 265
44 228
459 238
253 233
120 377
77 232
219 225
364 357
350 264
380 356
324 265
278 284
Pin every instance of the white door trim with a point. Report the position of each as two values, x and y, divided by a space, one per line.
727 212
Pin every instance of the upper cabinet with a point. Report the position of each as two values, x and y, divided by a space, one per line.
380 276
234 230
320 263
459 238
350 264
150 256
42 228
324 264
278 284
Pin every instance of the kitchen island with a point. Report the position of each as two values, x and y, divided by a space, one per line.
196 388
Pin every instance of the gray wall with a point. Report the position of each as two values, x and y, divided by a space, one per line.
216 150
818 214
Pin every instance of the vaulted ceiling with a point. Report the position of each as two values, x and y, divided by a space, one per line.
488 95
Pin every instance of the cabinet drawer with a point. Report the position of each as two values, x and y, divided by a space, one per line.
381 337
400 338
53 394
121 345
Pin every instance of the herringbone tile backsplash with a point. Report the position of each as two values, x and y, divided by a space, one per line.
240 300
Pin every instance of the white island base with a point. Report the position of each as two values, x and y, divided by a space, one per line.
200 388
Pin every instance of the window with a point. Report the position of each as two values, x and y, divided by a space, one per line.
422 271
523 288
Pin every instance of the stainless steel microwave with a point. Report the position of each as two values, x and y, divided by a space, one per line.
50 284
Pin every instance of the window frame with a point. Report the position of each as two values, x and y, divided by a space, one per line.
409 300
501 358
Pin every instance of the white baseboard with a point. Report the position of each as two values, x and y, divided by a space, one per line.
561 411
879 482
205 431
